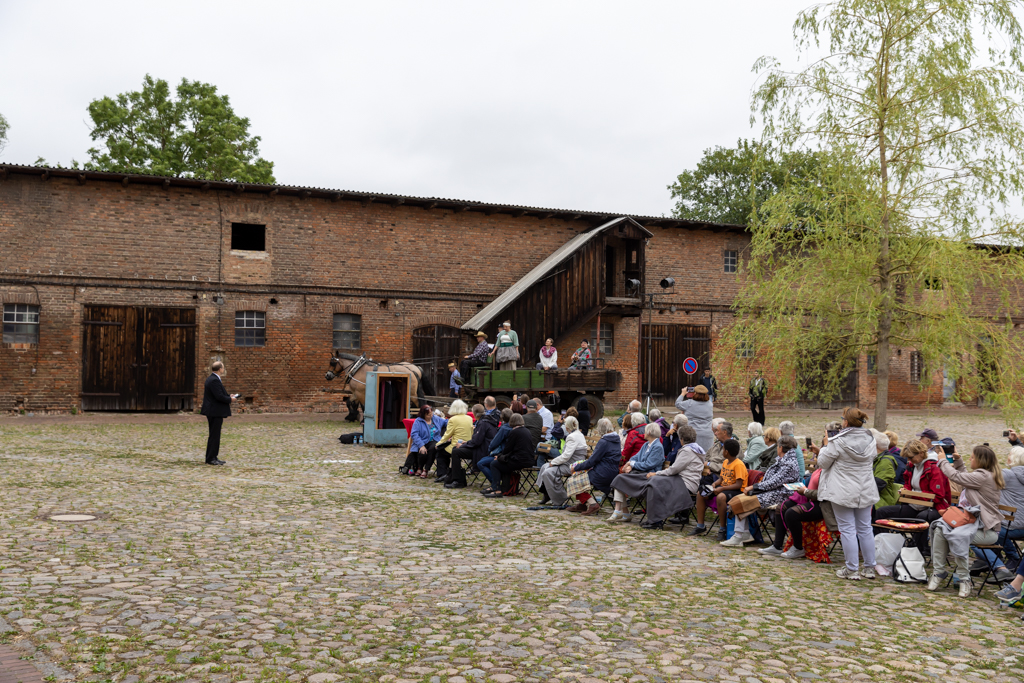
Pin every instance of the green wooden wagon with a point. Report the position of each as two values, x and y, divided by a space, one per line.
558 389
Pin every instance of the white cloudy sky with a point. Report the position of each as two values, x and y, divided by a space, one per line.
586 105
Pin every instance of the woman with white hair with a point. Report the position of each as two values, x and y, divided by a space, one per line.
458 431
601 467
788 428
552 475
633 480
885 472
1011 496
672 442
755 446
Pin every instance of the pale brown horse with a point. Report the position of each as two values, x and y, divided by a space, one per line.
353 369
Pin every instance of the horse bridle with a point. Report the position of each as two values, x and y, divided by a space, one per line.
352 370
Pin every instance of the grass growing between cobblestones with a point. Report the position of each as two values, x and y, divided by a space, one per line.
281 567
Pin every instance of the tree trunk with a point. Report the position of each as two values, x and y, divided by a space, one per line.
885 283
882 368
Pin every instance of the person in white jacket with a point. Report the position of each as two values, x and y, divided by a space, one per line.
548 356
847 482
552 474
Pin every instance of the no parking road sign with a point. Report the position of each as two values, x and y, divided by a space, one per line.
690 366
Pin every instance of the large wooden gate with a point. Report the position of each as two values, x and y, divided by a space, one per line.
433 347
670 346
138 358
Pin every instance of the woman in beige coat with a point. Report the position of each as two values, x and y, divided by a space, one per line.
981 487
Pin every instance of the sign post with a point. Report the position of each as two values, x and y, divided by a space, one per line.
690 367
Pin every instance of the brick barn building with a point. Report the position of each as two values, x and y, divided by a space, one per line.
120 290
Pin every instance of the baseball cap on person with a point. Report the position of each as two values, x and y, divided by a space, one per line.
929 433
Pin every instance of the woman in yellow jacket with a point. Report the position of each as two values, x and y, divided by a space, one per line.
460 429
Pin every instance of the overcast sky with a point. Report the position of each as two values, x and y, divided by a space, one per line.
585 105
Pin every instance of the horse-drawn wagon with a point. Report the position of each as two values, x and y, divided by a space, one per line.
558 389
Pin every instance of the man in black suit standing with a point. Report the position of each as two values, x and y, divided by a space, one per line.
216 406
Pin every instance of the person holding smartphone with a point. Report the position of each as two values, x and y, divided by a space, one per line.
216 406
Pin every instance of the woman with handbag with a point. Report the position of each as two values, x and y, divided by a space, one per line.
601 467
847 481
770 490
552 475
976 518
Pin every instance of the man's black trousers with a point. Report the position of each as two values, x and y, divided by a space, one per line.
213 441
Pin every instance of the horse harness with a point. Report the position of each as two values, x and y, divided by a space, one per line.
358 365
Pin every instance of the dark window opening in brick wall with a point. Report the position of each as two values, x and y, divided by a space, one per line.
248 237
250 328
745 350
872 364
606 342
348 331
916 366
731 259
21 324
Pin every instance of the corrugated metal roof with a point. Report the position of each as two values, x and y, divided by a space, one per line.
540 271
351 195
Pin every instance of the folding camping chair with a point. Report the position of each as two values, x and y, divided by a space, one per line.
528 480
989 572
908 526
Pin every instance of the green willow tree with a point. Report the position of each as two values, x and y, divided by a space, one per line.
196 135
908 246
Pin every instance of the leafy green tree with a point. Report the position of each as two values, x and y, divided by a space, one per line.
729 182
906 242
4 126
196 135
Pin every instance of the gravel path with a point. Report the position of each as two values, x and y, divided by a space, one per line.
282 566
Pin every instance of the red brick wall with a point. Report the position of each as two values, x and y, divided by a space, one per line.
398 267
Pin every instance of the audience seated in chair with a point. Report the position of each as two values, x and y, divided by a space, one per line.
551 475
484 431
672 490
459 430
633 480
731 480
601 467
426 432
517 454
770 489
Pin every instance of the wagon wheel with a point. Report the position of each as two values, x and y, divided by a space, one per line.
502 401
596 407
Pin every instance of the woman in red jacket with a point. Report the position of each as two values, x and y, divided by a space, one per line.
634 439
924 475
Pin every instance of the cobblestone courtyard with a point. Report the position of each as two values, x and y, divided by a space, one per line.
284 566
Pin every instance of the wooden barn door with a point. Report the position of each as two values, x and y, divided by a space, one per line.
167 359
138 358
670 346
109 336
433 347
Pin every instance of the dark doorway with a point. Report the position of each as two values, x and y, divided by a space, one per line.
433 347
670 346
138 358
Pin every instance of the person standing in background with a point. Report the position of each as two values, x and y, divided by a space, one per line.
454 381
709 381
216 406
758 390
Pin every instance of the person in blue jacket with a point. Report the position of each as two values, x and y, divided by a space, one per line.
426 430
601 467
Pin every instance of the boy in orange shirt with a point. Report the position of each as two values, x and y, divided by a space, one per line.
731 482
